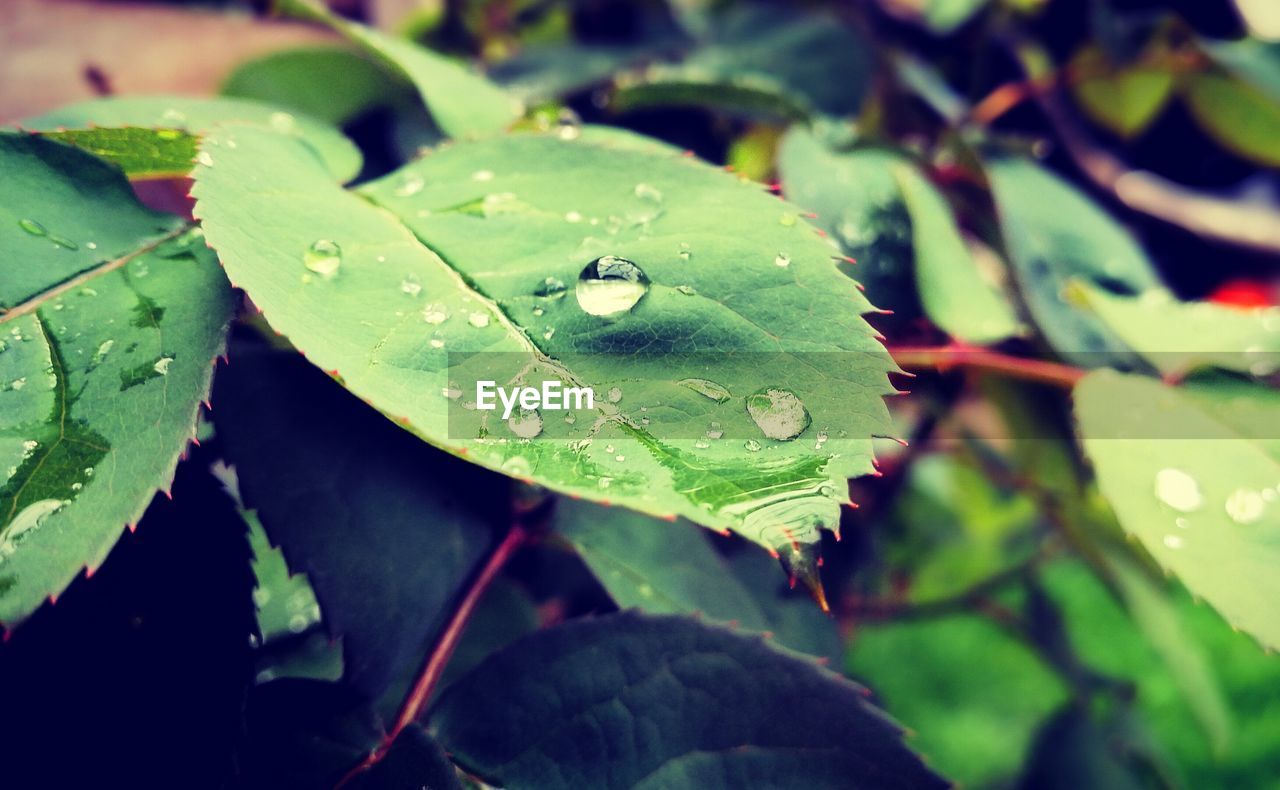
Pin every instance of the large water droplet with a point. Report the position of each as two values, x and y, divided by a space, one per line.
526 424
26 522
611 286
323 257
778 413
32 227
478 320
1245 506
1178 490
716 392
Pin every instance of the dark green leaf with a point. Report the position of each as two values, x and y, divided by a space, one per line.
377 520
631 700
1244 119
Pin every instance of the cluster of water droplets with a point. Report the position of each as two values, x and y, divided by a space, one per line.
1181 492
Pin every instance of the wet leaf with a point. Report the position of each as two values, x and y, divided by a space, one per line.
98 126
114 317
539 259
1054 233
953 289
633 700
1192 472
374 518
1178 338
462 102
664 568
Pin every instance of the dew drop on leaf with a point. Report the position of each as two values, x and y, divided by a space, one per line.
614 394
323 257
478 320
435 313
647 192
611 286
551 288
204 158
526 424
752 446
708 388
778 413
32 227
410 285
1178 490
24 523
1173 541
782 259
1245 506
410 185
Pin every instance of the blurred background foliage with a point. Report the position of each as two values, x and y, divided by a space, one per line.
982 590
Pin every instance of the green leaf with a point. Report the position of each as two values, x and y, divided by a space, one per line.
285 603
107 349
761 59
353 83
374 518
952 288
632 700
957 529
1251 60
1242 118
463 103
1123 99
858 202
1192 474
673 569
971 693
945 16
197 116
140 153
1180 337
1054 233
722 333
1082 746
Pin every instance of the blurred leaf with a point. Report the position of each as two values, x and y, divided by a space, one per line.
1196 489
1054 233
111 321
1082 747
1179 337
462 102
554 71
1253 61
285 602
199 116
925 80
762 60
952 288
632 700
376 519
945 16
971 693
496 211
505 613
959 529
1244 119
858 202
352 83
1124 99
666 568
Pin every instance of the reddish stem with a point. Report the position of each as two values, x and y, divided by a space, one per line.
433 669
944 358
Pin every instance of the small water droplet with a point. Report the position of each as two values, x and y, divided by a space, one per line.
782 259
1182 523
551 288
1178 490
32 227
686 290
435 313
1245 506
684 252
411 184
752 446
647 192
573 216
550 333
162 365
787 219
537 311
708 388
323 257
204 158
482 175
702 444
611 286
437 343
614 395
478 320
410 285
281 122
820 440
778 413
1173 541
